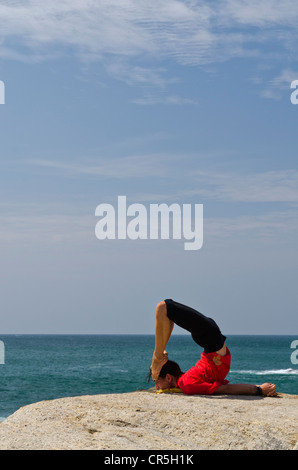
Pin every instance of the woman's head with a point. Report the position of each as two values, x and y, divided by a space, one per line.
168 376
170 367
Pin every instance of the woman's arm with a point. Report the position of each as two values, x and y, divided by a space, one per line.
267 389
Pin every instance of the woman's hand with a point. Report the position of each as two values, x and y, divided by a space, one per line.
157 363
268 390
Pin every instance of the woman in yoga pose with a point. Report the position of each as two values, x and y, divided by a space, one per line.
208 376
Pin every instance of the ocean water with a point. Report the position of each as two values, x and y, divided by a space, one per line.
43 367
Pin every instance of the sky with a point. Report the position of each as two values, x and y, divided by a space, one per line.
174 102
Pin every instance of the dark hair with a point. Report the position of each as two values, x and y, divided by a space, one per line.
170 367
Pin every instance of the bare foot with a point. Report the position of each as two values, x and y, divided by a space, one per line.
157 363
268 390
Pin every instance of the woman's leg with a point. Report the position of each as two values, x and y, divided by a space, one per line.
163 330
204 331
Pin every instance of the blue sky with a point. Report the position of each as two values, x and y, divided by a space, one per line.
173 102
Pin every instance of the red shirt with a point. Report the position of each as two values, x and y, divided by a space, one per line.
207 375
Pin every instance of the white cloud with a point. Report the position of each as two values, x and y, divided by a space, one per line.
262 14
191 32
271 227
72 224
36 225
115 168
139 75
130 39
149 99
271 186
284 79
277 85
42 225
124 28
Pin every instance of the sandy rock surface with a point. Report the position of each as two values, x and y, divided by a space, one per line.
144 420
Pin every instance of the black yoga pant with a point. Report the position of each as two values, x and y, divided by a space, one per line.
204 330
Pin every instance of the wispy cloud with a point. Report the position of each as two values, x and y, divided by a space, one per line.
139 75
123 28
269 186
131 38
191 32
157 80
275 227
275 87
43 225
50 224
36 225
266 13
150 99
137 166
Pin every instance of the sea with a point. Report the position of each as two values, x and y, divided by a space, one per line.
45 367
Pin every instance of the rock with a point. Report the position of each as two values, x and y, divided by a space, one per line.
144 420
